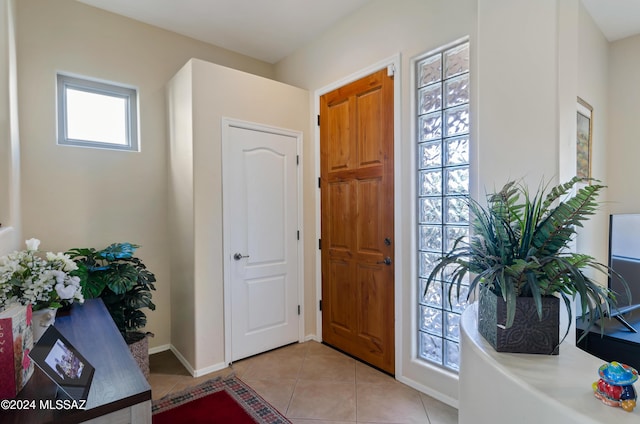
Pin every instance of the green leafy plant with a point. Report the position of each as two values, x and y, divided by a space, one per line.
519 247
122 281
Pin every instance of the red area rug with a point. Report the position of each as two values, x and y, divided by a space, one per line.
219 400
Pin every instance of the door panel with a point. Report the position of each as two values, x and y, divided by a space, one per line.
339 143
261 196
369 233
371 285
340 210
265 180
341 313
356 162
370 139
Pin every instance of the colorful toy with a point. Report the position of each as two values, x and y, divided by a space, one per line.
615 387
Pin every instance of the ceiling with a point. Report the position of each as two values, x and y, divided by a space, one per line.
267 30
617 19
270 30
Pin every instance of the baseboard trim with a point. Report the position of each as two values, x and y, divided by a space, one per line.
312 337
158 349
428 391
195 372
210 369
182 360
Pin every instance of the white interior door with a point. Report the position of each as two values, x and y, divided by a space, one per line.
260 195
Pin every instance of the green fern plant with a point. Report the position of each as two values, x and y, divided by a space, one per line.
519 247
122 281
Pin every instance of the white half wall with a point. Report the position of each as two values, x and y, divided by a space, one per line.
214 92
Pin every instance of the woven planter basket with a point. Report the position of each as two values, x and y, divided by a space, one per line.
140 352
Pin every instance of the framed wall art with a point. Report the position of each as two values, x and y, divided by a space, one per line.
584 138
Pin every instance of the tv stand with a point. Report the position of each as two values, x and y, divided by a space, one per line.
621 311
613 340
625 323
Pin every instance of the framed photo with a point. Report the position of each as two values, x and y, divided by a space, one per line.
583 141
63 364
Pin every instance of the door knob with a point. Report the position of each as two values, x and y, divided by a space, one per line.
387 261
239 256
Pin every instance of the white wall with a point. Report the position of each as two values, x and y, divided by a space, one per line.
518 104
79 197
181 212
6 38
10 219
214 92
592 86
623 140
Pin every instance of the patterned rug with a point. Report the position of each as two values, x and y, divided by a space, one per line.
218 400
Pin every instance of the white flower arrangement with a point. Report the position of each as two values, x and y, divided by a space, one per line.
45 282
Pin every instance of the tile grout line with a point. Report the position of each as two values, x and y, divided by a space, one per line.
306 353
425 408
355 385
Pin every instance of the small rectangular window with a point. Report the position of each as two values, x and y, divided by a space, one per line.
96 114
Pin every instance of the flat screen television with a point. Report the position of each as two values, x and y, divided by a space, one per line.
624 259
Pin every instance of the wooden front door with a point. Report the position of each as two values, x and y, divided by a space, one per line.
356 161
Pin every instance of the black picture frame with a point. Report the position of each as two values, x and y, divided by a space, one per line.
63 364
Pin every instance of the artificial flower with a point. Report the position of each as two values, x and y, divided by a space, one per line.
44 282
33 244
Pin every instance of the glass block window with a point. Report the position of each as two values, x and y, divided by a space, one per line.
442 96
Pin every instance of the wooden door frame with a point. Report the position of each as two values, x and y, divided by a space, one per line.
393 65
225 124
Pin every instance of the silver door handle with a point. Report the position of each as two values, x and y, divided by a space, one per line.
239 256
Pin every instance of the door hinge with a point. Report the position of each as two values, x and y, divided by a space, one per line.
391 70
320 304
318 120
319 182
298 309
319 244
298 235
297 159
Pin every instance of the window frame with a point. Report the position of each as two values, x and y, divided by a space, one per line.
129 94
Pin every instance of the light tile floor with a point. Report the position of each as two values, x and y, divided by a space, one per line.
311 383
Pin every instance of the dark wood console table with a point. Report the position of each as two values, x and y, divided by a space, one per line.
617 343
119 392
